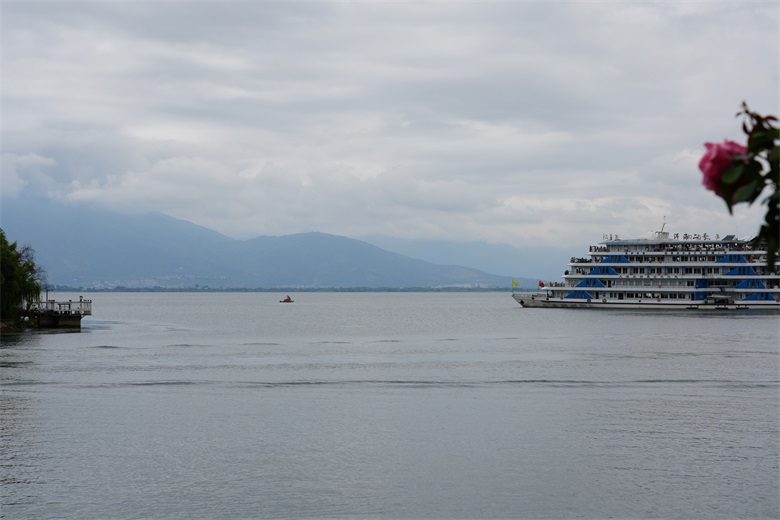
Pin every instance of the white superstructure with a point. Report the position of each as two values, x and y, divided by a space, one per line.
663 272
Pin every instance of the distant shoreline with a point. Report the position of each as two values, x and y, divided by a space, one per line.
282 289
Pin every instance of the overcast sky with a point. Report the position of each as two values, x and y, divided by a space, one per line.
527 123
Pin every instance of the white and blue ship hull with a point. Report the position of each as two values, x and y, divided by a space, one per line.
663 273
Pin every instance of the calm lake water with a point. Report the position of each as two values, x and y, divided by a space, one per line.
387 405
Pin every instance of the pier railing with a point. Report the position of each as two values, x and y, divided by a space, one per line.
81 307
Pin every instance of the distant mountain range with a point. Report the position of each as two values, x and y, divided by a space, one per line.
533 262
85 247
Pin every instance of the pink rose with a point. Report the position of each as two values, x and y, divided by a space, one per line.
718 159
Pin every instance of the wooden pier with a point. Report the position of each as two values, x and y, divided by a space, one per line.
51 314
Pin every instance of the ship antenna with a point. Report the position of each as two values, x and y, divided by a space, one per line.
662 227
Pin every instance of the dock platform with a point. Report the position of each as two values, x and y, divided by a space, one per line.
52 314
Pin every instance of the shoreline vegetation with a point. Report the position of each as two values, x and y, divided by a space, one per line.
21 282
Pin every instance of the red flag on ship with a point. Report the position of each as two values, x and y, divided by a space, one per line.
541 283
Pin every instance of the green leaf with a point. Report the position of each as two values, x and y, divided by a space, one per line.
733 174
762 139
747 193
751 171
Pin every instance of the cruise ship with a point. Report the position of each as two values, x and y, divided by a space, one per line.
688 272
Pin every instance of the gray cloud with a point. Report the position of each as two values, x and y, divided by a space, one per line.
525 122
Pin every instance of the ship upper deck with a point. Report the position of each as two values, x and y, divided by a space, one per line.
662 242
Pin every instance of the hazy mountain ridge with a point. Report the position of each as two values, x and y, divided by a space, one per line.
85 247
542 262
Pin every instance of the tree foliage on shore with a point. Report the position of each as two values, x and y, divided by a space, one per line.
20 279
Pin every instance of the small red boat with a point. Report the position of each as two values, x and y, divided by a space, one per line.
286 300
